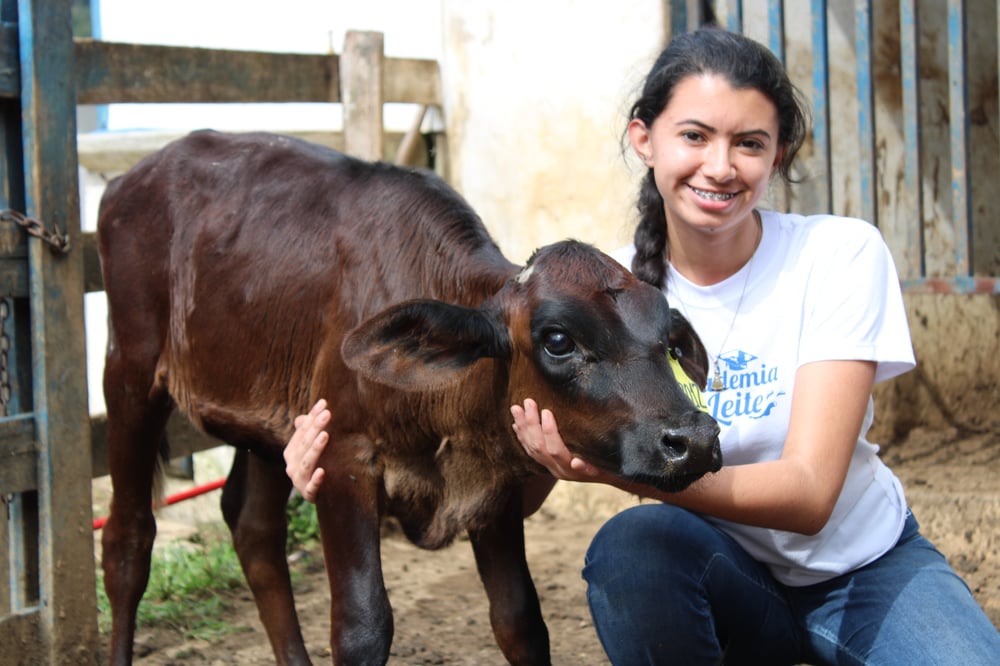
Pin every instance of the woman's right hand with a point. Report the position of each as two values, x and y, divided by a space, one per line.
536 430
305 448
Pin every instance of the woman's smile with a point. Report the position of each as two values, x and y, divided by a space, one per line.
715 196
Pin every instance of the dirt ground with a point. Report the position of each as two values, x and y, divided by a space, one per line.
952 482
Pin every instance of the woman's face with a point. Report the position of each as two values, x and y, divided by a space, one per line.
712 150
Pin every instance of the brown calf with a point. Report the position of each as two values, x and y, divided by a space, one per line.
249 275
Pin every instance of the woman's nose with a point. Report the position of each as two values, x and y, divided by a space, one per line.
718 164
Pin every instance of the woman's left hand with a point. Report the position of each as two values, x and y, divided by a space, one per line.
304 449
538 434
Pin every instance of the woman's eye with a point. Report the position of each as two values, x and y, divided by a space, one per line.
558 344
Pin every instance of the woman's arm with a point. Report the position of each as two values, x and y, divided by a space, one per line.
797 492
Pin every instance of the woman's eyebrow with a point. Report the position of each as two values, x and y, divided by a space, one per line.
713 130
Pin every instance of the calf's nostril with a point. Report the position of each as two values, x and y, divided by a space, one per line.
676 445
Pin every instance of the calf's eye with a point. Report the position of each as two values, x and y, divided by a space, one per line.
558 344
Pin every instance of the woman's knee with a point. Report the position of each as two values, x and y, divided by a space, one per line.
648 538
645 584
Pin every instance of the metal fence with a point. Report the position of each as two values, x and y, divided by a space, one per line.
905 123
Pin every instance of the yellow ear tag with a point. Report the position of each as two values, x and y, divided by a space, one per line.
687 384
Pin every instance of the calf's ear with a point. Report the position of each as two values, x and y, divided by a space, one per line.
423 344
692 357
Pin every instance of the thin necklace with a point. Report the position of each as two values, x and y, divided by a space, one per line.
717 383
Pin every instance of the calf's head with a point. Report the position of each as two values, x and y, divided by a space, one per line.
583 337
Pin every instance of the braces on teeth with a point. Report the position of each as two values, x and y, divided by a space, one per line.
715 196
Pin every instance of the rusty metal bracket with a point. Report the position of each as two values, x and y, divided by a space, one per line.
59 242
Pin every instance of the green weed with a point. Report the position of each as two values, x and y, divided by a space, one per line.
186 579
183 593
303 527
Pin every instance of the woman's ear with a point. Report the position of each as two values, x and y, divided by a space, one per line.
638 136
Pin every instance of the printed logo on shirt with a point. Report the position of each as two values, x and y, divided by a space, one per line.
750 388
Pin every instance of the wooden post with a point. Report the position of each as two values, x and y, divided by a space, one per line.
362 67
66 586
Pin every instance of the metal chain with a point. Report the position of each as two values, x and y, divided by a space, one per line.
58 242
34 227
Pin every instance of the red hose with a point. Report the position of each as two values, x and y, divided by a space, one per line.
175 498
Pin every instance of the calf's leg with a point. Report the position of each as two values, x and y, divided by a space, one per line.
348 508
136 423
515 614
253 505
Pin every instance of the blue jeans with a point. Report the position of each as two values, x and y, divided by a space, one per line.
667 587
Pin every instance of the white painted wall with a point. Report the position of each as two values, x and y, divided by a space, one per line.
535 100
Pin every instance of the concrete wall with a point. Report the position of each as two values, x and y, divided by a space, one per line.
957 380
536 95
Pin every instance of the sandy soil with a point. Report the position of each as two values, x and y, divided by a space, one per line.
953 484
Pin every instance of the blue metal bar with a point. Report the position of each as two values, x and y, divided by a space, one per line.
97 32
866 108
678 17
734 15
776 28
956 285
915 262
821 104
958 95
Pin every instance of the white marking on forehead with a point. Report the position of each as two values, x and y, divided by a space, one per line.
524 275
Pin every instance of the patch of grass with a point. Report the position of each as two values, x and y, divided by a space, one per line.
184 588
186 579
303 527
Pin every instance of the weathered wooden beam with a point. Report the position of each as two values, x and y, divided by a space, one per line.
182 437
362 69
18 454
108 72
409 80
66 587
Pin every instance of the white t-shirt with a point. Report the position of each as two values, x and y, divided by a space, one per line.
819 288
